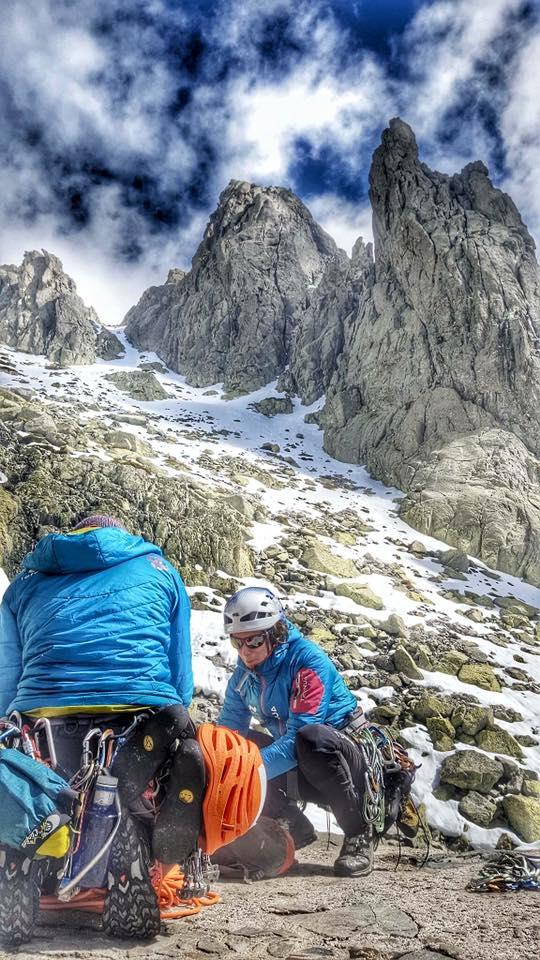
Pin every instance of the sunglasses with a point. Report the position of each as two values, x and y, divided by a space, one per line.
252 643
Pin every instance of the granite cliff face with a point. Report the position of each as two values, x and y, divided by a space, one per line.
41 312
437 389
320 337
447 341
232 318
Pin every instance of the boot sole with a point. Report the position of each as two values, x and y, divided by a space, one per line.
343 872
179 821
19 898
131 909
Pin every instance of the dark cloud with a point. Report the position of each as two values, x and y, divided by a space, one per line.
122 121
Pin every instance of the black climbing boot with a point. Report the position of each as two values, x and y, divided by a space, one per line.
356 856
131 908
146 749
179 820
19 896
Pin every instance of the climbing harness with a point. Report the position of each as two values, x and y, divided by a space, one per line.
179 894
508 871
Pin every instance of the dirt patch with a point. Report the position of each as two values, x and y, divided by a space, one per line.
424 914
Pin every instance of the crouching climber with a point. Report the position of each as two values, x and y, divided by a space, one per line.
321 748
95 639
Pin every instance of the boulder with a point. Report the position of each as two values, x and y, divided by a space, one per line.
451 662
432 705
523 815
471 770
242 505
359 593
497 740
404 663
481 675
470 720
272 406
317 556
442 733
139 384
477 808
394 625
455 560
531 788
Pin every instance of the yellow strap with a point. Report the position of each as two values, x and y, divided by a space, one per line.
82 708
73 533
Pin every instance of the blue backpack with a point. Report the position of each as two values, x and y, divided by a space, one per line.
34 801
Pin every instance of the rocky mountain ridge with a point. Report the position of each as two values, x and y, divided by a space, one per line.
42 313
232 318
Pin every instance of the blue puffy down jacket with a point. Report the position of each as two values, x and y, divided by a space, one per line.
95 618
296 685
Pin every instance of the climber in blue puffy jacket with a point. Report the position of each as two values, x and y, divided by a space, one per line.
97 617
293 689
94 637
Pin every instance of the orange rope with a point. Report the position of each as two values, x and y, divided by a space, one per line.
167 887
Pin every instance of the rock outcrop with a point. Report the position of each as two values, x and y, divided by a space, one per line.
438 386
232 318
331 307
46 488
41 312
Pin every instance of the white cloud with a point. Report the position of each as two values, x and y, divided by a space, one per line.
345 222
269 118
520 125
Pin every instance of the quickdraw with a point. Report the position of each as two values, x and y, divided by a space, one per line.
508 871
366 739
382 755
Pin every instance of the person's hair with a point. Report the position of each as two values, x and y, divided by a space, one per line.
278 633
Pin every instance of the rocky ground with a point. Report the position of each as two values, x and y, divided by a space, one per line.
421 914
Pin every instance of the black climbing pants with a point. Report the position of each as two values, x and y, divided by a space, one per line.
331 773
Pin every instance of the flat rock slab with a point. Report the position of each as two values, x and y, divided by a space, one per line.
297 907
211 945
373 916
426 955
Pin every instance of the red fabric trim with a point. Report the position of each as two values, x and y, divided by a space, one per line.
308 691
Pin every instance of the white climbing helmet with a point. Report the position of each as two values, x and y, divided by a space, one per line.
252 608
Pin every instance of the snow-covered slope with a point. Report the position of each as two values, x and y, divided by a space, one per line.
307 498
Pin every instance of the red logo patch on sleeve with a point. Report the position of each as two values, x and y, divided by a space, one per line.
307 692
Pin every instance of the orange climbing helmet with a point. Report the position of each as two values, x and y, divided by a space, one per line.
235 785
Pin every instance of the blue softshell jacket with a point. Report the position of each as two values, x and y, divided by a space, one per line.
93 619
297 684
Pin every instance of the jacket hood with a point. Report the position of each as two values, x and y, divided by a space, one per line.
98 549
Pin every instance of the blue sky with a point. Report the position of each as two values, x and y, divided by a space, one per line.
123 121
